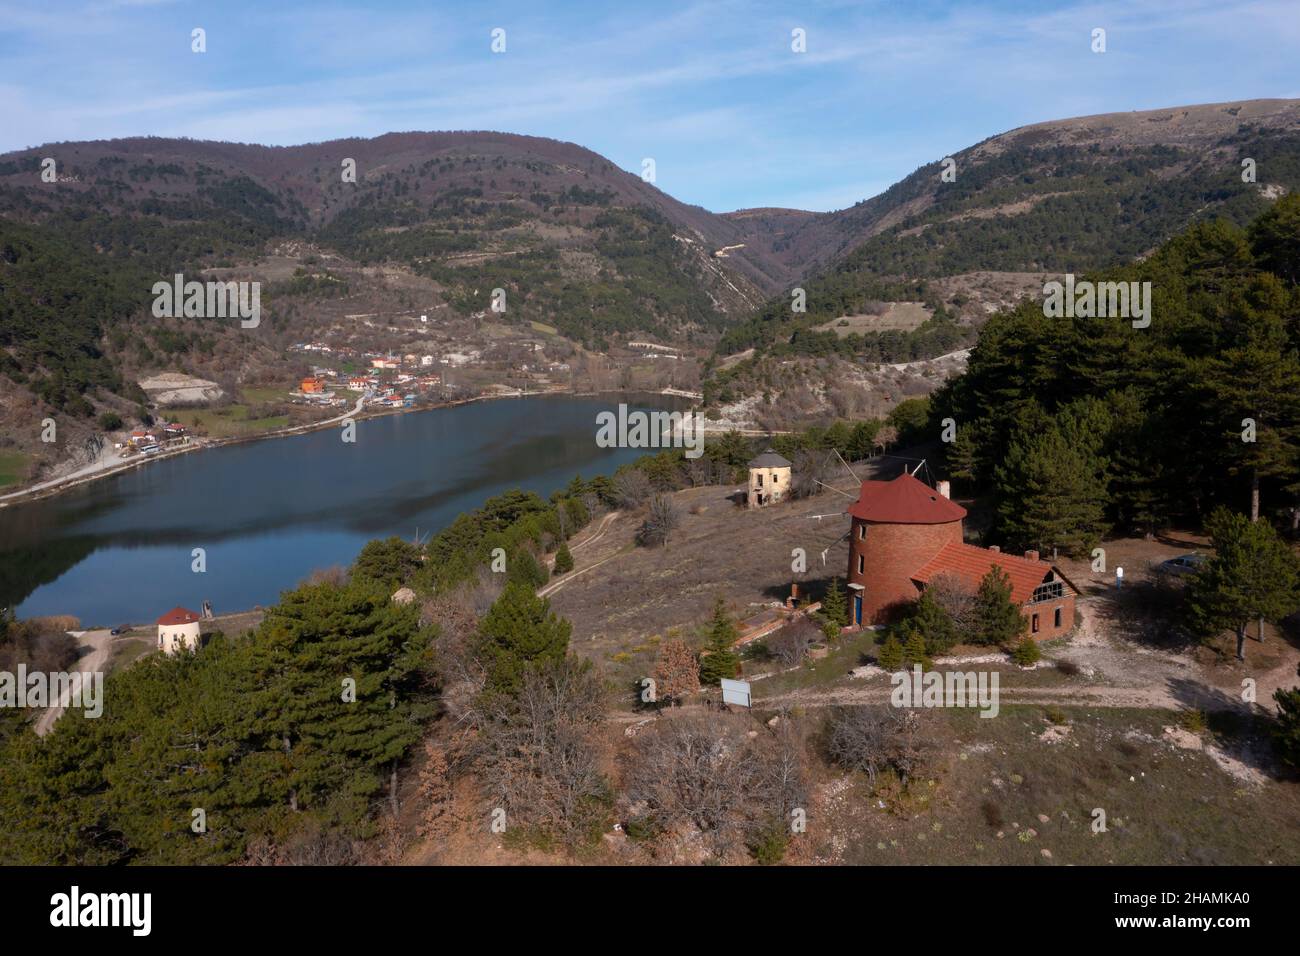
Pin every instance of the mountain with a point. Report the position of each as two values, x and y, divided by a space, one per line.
432 224
1070 195
588 255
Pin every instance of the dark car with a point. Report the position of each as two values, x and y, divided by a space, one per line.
1183 564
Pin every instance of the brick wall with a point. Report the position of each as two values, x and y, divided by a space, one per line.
890 553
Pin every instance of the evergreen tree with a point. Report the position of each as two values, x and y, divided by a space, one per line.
834 606
1252 575
1257 378
997 619
914 648
720 658
563 560
520 630
523 568
890 655
1026 652
1051 493
935 624
1286 732
389 562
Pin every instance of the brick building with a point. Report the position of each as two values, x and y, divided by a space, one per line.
905 534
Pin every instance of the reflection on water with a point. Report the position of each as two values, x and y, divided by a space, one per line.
269 512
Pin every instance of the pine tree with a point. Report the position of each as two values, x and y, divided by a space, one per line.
914 648
519 631
890 655
834 606
1252 575
935 624
1286 731
1258 378
1026 652
563 560
720 659
1051 492
997 619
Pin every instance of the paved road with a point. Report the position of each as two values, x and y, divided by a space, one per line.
98 641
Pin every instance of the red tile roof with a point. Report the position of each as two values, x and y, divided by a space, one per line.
177 615
969 564
904 500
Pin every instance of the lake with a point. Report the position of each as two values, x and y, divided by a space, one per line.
269 512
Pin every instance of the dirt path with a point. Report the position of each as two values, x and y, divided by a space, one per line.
1120 673
596 535
98 641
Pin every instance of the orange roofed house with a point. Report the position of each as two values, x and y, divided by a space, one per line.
905 534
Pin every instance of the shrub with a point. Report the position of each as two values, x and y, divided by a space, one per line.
769 845
563 560
1026 652
914 650
890 655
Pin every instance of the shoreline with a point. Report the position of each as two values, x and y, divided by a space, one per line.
54 486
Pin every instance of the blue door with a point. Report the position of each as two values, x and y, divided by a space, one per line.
857 609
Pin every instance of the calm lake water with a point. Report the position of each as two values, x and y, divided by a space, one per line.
269 512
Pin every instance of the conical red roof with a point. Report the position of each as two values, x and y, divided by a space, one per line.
178 615
904 500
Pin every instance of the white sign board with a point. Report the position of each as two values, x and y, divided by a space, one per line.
735 692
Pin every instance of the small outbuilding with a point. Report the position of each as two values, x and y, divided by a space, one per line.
177 629
769 479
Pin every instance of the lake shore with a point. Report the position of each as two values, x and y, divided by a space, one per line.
109 465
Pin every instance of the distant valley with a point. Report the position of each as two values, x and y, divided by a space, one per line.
606 281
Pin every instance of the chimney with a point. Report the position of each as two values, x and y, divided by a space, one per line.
943 488
995 548
1031 555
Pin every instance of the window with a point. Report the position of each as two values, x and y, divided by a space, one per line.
862 564
862 532
1057 621
760 479
1035 623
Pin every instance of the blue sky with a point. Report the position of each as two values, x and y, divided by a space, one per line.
711 90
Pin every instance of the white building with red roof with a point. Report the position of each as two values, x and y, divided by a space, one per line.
178 629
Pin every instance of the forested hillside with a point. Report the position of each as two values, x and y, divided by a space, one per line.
1082 425
1068 196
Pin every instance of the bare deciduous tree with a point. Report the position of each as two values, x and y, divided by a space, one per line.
790 644
661 520
631 488
957 598
885 438
540 752
875 739
707 773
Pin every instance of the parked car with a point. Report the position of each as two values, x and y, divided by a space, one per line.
1183 564
118 630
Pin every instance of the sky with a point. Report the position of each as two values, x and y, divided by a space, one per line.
711 90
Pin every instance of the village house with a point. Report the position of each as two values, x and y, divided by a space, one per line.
769 479
905 534
177 629
311 386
